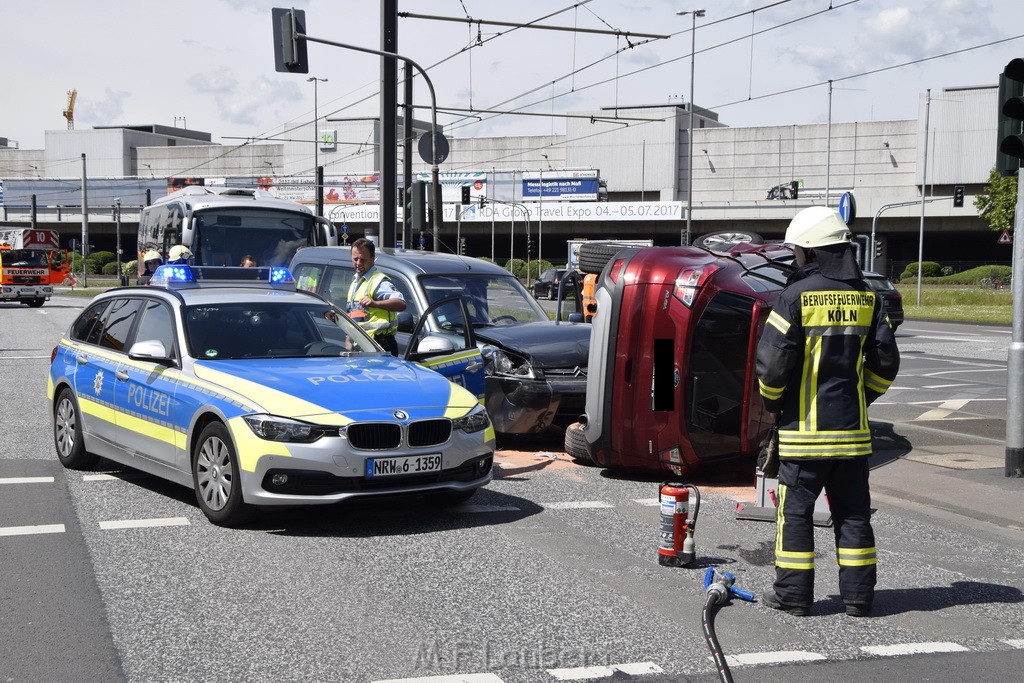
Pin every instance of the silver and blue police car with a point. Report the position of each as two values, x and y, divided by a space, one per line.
230 381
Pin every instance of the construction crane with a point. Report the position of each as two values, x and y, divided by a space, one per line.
69 113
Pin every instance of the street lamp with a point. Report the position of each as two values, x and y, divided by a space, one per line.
316 143
117 228
689 140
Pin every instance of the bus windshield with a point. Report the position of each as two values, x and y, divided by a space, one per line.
224 235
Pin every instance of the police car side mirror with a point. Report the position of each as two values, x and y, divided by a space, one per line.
150 350
435 344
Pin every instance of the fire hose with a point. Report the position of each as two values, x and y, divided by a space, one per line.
720 588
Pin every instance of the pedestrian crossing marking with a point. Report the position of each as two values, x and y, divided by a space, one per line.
29 530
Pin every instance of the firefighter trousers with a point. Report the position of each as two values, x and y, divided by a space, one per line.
846 485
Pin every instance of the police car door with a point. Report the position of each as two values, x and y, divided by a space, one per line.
147 421
451 349
97 354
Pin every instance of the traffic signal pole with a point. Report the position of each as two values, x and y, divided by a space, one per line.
1015 354
290 55
1009 152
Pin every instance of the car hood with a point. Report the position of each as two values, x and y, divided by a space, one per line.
546 344
337 390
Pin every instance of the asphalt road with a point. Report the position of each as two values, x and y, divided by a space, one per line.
549 574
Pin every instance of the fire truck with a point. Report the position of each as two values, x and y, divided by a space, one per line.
31 262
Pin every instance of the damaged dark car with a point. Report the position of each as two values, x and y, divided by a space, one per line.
534 369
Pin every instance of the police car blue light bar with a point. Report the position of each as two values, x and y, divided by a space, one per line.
186 277
172 276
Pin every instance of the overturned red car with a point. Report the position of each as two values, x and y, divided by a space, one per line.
671 380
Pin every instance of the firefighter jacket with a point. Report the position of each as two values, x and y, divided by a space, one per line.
378 321
827 351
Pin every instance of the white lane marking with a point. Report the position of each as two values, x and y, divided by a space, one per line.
1015 642
485 508
144 523
912 649
778 657
28 530
586 672
647 501
577 505
945 409
454 678
98 477
944 386
26 480
24 358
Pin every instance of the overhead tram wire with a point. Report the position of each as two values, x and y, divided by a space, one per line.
576 71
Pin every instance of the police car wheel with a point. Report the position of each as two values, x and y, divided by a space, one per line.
450 497
215 476
67 433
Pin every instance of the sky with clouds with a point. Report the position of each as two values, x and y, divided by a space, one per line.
209 64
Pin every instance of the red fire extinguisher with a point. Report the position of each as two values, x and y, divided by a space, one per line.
678 518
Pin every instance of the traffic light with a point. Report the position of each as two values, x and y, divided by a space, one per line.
793 188
418 205
958 196
290 53
1011 117
465 195
878 249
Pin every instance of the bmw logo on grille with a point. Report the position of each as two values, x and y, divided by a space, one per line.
400 415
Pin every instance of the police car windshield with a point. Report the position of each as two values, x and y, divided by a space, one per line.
491 299
229 331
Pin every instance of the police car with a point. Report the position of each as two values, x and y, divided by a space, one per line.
230 381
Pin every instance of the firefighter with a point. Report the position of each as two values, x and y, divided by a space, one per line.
151 261
827 351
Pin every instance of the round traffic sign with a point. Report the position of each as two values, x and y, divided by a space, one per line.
847 208
441 148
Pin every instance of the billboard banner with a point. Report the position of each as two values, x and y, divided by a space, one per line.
555 211
561 185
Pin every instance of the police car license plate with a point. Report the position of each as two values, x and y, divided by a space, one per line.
410 464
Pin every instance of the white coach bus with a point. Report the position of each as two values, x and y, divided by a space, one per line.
220 225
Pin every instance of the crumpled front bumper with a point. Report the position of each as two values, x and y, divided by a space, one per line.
525 406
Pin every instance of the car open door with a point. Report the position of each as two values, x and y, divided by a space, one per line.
450 347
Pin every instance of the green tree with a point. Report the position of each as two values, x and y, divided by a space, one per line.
998 202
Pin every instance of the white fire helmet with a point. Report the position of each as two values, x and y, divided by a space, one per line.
179 252
151 255
817 226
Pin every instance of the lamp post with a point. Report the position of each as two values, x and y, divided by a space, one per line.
689 140
316 143
117 228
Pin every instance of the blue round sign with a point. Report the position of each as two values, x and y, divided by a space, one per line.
847 208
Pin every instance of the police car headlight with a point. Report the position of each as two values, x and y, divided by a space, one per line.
473 422
274 428
508 363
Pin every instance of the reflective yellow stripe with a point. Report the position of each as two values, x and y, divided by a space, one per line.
875 382
273 400
795 565
778 322
97 410
856 557
770 393
153 430
249 448
793 555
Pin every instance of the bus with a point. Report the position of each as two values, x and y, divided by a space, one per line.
220 225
